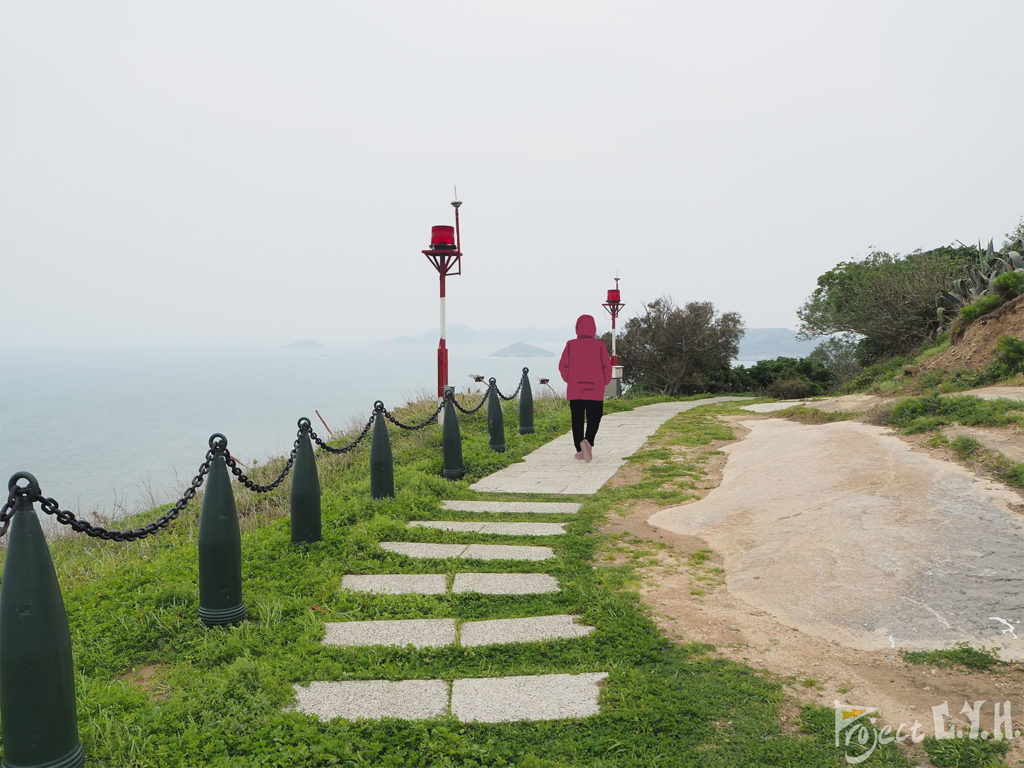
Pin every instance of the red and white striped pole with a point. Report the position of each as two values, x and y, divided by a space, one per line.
445 253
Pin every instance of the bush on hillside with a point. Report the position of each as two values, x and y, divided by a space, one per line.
982 306
1009 285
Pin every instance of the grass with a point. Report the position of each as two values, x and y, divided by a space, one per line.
156 688
961 655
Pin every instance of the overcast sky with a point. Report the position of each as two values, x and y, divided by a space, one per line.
268 171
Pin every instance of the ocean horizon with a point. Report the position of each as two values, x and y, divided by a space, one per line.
115 432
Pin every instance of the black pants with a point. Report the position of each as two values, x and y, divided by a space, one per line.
591 410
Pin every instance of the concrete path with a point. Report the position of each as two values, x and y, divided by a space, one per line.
549 469
843 532
552 468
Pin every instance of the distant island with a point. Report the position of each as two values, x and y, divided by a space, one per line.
519 349
304 344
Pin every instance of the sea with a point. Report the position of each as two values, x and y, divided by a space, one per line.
111 432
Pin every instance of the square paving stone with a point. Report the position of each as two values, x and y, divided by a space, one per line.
505 583
397 583
526 630
373 699
526 697
421 633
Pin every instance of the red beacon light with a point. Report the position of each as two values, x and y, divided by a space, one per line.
442 238
613 296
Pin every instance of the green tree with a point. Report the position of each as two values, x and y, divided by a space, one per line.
888 299
839 355
678 350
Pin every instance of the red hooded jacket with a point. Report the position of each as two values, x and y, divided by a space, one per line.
585 365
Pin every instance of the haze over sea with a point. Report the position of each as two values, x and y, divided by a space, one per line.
119 430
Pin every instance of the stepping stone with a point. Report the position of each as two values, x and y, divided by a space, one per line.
504 529
472 551
416 549
481 699
397 583
506 552
513 507
373 699
526 697
529 630
421 633
436 583
504 583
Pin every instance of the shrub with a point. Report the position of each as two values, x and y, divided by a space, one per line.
791 389
982 306
1009 285
1009 357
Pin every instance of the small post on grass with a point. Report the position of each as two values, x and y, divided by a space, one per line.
220 545
495 418
451 439
37 682
526 405
305 496
382 467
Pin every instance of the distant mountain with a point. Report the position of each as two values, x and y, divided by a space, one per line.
519 349
756 344
769 343
462 334
304 344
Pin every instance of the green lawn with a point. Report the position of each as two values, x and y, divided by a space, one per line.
217 697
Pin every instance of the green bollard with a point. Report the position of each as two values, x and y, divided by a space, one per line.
526 405
37 682
382 468
220 546
495 419
305 498
451 439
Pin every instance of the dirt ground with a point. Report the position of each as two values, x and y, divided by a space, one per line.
722 582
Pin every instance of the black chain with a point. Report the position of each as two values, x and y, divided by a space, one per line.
476 408
379 408
51 507
304 426
494 383
316 439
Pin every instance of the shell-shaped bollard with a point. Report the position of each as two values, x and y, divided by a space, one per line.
382 468
526 405
495 419
37 683
451 440
305 493
220 550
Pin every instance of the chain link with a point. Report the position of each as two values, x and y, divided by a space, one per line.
316 439
51 507
474 409
304 427
379 408
513 396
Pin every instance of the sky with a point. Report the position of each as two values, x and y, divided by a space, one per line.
183 173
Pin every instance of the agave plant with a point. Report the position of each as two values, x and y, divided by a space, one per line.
978 280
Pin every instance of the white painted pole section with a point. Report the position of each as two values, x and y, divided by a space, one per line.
442 320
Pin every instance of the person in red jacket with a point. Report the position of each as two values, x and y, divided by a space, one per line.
587 369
